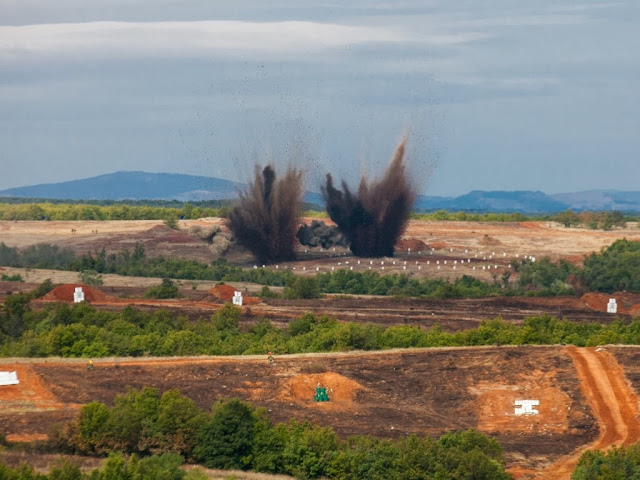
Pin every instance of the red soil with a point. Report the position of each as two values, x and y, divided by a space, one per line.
628 303
31 394
340 389
225 292
414 244
64 293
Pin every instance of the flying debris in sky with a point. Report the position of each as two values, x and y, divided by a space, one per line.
373 220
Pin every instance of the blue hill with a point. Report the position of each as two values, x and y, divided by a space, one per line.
132 186
189 188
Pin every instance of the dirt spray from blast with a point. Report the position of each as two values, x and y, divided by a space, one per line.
267 219
374 219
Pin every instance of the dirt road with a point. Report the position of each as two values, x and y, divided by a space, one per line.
613 402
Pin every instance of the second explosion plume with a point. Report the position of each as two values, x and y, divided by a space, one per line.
266 221
374 219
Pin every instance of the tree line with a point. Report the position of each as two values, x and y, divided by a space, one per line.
52 209
594 220
160 431
80 330
618 463
114 211
612 269
116 467
236 435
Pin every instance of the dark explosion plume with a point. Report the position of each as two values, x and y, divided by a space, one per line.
318 233
266 221
374 219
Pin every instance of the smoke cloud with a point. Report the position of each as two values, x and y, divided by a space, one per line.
374 219
266 221
318 233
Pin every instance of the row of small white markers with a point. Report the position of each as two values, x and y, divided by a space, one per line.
451 250
404 267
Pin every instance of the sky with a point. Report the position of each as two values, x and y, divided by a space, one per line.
494 95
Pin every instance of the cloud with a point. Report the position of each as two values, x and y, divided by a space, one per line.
197 38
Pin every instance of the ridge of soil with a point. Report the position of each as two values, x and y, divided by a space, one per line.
226 292
64 293
628 303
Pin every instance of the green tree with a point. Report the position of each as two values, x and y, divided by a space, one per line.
65 471
309 451
225 439
175 427
615 268
167 289
568 218
618 463
303 287
90 277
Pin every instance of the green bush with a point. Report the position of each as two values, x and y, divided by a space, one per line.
266 292
544 276
236 435
167 289
303 288
141 421
12 278
164 467
226 439
90 277
618 463
614 269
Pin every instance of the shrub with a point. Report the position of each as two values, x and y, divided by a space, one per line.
12 278
615 268
167 289
303 288
90 277
172 223
266 292
617 463
225 440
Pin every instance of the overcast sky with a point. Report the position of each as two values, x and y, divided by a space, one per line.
495 95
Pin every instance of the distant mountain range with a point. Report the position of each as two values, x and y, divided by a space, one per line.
132 186
189 188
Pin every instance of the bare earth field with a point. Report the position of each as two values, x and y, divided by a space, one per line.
450 314
386 394
473 248
588 397
585 399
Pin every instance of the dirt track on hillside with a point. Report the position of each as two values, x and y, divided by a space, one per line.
613 402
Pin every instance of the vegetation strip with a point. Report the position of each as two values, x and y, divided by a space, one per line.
613 269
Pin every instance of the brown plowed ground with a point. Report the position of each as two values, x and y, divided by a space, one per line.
450 314
484 243
30 398
387 394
